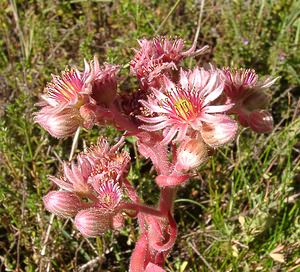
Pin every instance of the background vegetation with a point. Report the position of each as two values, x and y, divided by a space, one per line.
241 212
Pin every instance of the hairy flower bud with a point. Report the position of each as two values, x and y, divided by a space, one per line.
118 221
93 222
61 203
219 133
191 154
59 124
261 121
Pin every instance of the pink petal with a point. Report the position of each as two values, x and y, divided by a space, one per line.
153 119
61 183
182 132
213 95
218 108
169 136
153 107
268 83
169 85
159 95
68 173
155 127
184 82
212 79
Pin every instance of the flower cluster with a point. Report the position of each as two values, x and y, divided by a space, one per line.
77 99
158 57
91 189
178 116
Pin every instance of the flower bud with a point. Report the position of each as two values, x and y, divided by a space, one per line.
93 222
104 84
118 221
191 154
61 203
88 114
220 132
59 124
256 100
261 121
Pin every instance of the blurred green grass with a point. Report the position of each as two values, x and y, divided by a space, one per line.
244 203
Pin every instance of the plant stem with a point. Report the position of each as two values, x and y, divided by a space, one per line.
141 208
167 197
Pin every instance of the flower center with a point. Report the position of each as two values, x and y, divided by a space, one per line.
184 108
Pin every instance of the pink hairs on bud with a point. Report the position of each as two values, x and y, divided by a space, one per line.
94 221
63 204
59 123
191 154
261 121
173 180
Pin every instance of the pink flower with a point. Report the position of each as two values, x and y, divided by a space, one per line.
247 92
77 99
108 162
64 204
187 107
75 177
63 98
93 183
158 56
109 195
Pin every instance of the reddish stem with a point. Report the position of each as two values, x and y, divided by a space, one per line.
167 197
141 208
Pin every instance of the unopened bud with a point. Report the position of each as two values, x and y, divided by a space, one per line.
104 85
59 124
64 204
261 121
118 221
191 154
93 222
88 114
220 132
256 100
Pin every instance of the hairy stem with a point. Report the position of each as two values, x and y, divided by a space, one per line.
141 208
